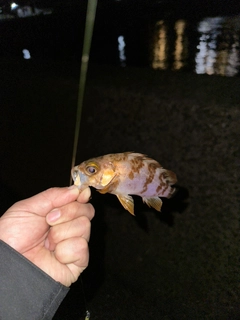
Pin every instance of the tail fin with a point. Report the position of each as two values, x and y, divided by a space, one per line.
172 192
170 177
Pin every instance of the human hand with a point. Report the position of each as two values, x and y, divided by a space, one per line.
52 230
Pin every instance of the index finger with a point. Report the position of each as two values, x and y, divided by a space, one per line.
45 201
70 212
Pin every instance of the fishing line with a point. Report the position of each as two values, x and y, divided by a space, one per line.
90 19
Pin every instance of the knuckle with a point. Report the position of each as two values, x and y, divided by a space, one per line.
91 210
85 222
83 249
55 234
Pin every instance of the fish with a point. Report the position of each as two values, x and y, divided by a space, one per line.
125 174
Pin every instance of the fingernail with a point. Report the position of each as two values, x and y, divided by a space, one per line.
53 215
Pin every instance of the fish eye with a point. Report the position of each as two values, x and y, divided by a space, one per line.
91 169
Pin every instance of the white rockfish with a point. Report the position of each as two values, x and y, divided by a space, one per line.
125 174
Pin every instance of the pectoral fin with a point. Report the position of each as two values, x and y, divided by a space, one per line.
111 186
127 202
107 177
156 203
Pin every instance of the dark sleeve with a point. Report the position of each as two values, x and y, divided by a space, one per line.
26 292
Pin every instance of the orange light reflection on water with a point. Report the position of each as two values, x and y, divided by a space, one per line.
217 51
162 43
181 45
160 46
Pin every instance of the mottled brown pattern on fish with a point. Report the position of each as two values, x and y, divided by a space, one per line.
152 169
163 177
165 189
120 156
137 164
131 175
149 179
172 177
159 188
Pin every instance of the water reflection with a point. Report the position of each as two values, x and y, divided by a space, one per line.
26 54
208 29
181 45
217 50
166 46
209 46
160 46
121 51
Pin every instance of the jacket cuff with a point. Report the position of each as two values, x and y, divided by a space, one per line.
26 291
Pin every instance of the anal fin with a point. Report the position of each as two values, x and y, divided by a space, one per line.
155 202
127 202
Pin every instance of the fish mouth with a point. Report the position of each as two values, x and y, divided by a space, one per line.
79 178
76 177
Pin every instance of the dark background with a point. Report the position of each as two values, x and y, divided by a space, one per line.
182 263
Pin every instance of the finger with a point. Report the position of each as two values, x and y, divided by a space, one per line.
74 250
80 227
69 212
84 196
49 199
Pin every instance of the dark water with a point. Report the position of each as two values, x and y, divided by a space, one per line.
204 45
